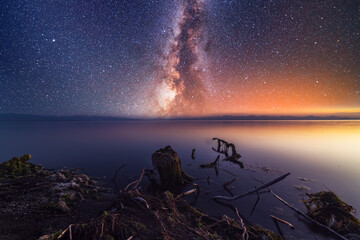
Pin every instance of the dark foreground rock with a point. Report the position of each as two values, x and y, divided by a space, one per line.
35 200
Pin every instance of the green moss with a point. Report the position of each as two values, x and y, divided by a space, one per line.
17 167
105 214
171 219
109 237
214 236
56 235
170 195
140 226
67 197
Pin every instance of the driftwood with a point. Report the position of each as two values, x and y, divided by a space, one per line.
224 146
196 189
245 235
234 159
226 184
253 191
283 221
225 170
212 164
309 218
257 201
136 182
115 176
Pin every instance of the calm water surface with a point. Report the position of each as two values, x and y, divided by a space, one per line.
325 152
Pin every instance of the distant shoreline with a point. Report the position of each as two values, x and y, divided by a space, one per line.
51 118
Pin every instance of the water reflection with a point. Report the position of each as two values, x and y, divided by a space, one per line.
327 152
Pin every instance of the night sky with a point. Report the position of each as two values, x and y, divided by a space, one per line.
179 57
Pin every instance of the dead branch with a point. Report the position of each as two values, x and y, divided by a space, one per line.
115 176
278 228
137 182
234 159
212 164
283 221
228 183
308 218
253 191
257 201
226 188
224 146
245 235
196 189
232 174
216 170
142 175
70 233
62 233
140 199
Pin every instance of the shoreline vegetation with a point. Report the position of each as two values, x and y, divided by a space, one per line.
39 203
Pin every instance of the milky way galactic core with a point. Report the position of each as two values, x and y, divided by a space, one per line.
179 58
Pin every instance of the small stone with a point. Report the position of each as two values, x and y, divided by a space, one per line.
85 177
60 176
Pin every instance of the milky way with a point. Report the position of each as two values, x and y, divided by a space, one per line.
180 57
181 89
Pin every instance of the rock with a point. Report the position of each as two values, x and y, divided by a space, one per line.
61 205
60 176
25 157
168 164
85 177
18 167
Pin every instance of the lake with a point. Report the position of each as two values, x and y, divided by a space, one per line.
326 153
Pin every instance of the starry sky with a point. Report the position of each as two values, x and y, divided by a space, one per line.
150 58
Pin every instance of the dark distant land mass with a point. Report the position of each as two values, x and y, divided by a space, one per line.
30 117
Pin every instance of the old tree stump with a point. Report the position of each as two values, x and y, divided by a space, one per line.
167 163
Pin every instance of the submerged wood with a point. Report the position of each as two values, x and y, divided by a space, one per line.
212 164
115 176
167 163
283 221
234 159
224 146
253 191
